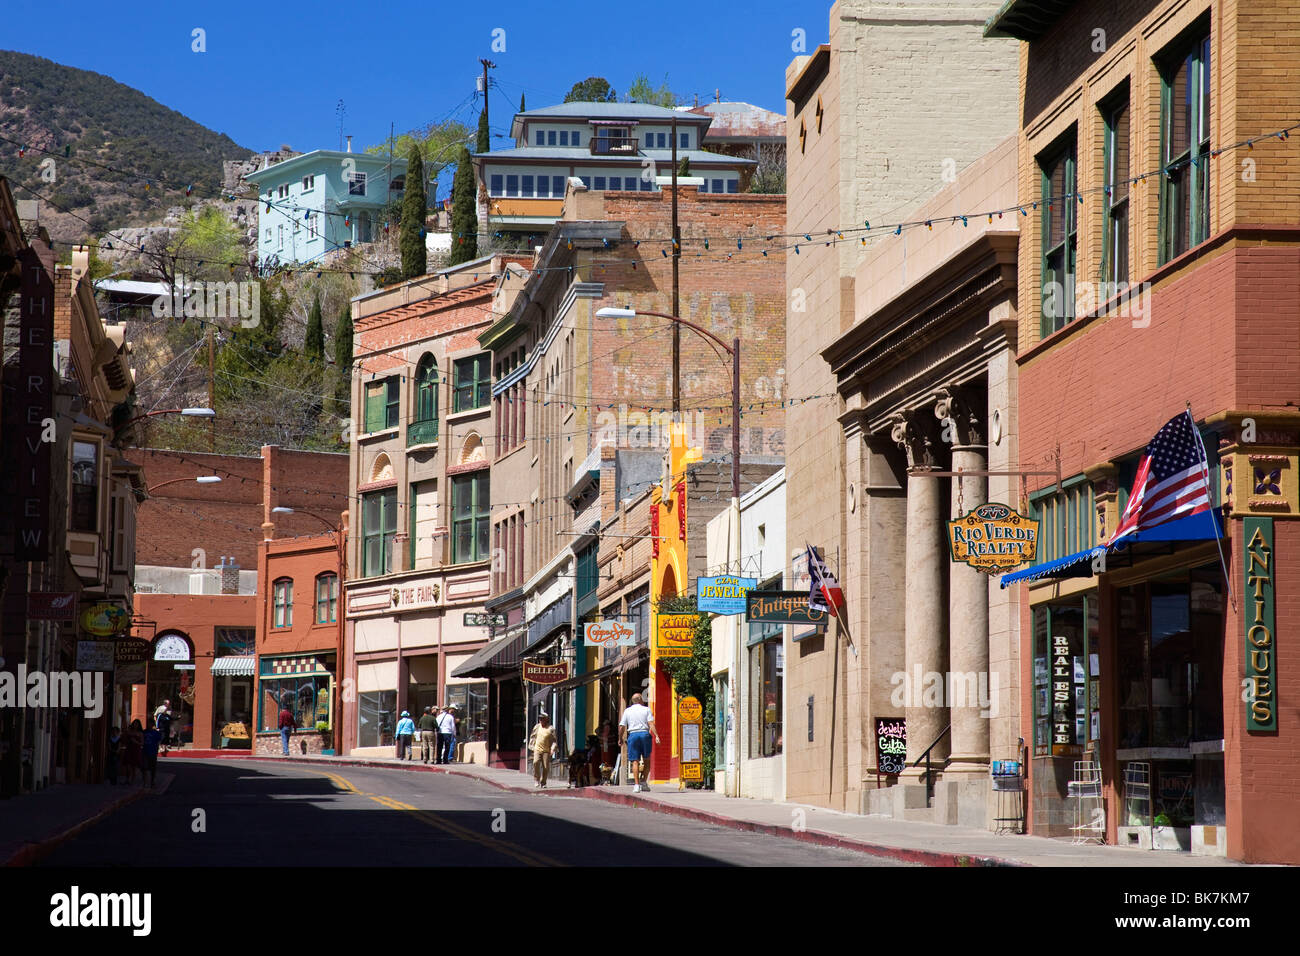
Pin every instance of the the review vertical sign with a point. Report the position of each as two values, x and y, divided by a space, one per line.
33 407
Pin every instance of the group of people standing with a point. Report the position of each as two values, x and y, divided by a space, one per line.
636 732
437 730
136 751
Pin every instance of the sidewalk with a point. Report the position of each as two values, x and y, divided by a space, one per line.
33 825
929 844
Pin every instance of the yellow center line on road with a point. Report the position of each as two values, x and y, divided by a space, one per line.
498 844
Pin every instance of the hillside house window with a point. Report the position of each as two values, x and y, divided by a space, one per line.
550 137
282 603
1185 138
1059 206
512 185
85 486
308 182
598 182
496 183
540 137
685 141
564 137
472 383
378 527
382 403
327 598
356 184
527 191
471 507
557 186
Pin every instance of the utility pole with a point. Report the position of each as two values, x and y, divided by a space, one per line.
212 392
676 310
487 64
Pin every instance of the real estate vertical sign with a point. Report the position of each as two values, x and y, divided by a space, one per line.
34 401
1261 635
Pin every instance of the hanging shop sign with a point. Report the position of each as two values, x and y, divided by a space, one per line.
993 538
482 619
675 635
891 745
105 620
654 531
1261 643
130 658
546 673
172 648
781 607
689 710
52 605
610 633
1063 727
94 655
29 453
723 594
681 510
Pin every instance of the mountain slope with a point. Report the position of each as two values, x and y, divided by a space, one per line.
45 105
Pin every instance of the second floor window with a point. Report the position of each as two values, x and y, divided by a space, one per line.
426 390
378 527
85 486
356 184
283 603
1060 237
327 599
382 402
1115 249
471 507
472 383
1185 133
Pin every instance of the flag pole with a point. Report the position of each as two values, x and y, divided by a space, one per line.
1218 538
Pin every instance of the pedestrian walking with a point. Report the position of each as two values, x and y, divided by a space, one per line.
162 720
405 731
636 728
287 725
428 736
447 734
132 744
150 740
542 745
114 755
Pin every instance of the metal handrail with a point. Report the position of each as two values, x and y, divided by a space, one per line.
929 774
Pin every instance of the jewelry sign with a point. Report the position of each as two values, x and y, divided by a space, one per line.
993 538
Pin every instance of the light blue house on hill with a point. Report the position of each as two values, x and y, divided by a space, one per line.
321 201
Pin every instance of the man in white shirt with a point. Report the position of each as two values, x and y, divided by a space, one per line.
635 729
446 735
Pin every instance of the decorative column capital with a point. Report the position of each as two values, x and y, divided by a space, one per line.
915 433
961 411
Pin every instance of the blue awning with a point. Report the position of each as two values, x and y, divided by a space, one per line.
1198 527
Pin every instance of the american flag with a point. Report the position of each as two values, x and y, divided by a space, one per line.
1172 479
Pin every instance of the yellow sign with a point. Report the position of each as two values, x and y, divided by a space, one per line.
675 635
105 620
689 710
692 771
993 538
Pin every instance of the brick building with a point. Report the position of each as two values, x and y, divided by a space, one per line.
1176 695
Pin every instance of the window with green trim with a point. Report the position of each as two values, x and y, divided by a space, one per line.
1185 148
426 390
588 571
282 602
472 381
382 402
1060 236
378 527
471 508
327 598
1067 521
1067 676
1114 263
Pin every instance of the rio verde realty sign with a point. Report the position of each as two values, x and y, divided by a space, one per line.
993 538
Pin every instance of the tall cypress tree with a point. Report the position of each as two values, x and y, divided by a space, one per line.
484 134
464 212
522 108
413 211
313 344
343 358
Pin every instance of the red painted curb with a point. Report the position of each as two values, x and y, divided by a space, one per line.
30 853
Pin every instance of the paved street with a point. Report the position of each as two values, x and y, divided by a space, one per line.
262 814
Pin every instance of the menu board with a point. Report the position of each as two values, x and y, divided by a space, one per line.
891 744
691 743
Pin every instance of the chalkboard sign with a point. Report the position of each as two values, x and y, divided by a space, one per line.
891 744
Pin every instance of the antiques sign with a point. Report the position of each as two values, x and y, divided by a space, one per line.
723 595
781 607
993 538
545 673
675 635
1261 612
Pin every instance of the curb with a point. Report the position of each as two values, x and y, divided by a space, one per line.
932 858
31 853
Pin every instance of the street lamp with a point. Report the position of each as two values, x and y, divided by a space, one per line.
200 479
733 350
187 412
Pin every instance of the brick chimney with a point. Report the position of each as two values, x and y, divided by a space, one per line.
229 576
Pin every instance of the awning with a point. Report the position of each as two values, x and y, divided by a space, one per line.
558 614
499 657
234 666
587 678
1198 527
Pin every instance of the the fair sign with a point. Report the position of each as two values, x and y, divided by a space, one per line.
610 633
723 594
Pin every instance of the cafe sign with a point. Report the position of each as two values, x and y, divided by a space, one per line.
781 607
993 538
723 594
675 635
545 673
1261 611
105 620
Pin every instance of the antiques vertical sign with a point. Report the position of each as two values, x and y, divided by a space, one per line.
1261 612
33 404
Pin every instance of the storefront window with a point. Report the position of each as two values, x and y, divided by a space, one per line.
376 718
471 703
766 667
1067 677
306 695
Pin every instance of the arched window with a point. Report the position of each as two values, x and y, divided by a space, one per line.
283 603
327 598
426 389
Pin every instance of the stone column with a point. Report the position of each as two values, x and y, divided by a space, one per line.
969 694
925 624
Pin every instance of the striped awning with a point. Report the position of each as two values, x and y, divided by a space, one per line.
292 667
234 666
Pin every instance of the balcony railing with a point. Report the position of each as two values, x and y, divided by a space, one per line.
613 145
422 433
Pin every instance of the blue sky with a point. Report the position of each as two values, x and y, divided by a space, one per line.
274 73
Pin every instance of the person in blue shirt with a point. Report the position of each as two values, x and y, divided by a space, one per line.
149 756
405 731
